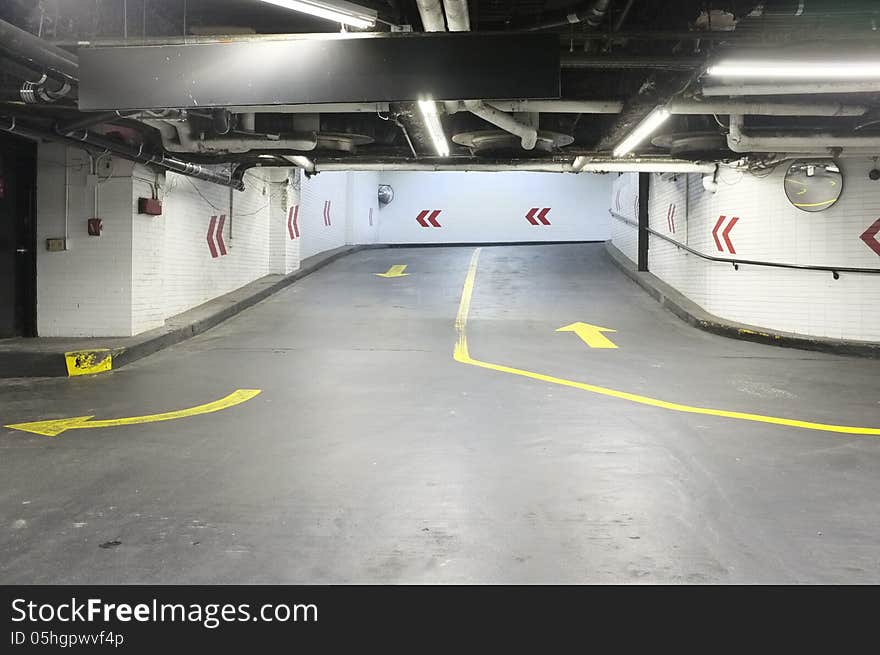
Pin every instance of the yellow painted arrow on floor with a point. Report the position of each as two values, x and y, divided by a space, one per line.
590 334
54 427
395 271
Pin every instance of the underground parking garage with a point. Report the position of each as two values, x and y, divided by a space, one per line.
438 292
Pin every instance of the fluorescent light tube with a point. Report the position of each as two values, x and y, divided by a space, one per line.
435 128
641 131
796 69
338 11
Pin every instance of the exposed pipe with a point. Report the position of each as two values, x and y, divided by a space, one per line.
457 15
41 54
304 141
431 13
581 164
557 106
409 142
578 60
791 88
185 143
816 142
684 107
85 138
621 19
322 108
528 135
302 162
585 164
765 108
89 120
526 165
592 14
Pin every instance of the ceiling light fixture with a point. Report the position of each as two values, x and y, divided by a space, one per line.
641 131
338 11
435 128
796 69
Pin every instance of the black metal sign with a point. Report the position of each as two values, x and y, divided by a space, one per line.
321 68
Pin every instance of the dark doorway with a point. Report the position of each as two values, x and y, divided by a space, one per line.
18 183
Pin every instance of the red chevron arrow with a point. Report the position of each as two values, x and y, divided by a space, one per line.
715 232
542 216
432 218
869 236
211 245
292 227
220 243
726 234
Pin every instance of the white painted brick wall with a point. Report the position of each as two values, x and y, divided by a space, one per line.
191 276
317 191
364 204
86 290
487 207
625 201
770 229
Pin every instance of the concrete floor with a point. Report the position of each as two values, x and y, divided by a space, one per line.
372 456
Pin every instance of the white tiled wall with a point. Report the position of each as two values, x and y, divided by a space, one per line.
145 269
320 191
771 229
86 290
489 207
364 203
625 201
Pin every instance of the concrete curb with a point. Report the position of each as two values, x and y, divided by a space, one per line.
693 314
47 362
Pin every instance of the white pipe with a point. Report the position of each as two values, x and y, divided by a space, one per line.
457 16
580 164
537 166
584 164
432 15
819 142
561 106
322 108
528 135
684 107
302 162
789 88
765 108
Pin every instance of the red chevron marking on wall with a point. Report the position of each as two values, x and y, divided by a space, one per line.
725 234
428 216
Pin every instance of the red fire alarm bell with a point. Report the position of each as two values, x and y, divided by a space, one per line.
95 227
151 206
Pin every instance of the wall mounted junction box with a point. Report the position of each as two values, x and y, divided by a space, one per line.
56 245
150 206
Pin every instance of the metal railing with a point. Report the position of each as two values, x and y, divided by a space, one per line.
834 270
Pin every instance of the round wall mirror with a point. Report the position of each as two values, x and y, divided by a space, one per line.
386 194
813 185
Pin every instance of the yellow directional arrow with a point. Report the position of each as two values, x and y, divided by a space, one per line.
590 334
395 271
54 427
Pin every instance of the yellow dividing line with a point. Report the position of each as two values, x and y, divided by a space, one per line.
461 354
54 427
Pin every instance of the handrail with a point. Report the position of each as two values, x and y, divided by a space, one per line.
752 262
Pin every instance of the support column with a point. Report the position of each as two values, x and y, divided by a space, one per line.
644 184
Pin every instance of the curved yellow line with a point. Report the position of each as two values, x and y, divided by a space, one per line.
462 354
